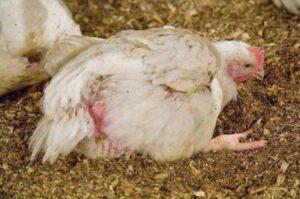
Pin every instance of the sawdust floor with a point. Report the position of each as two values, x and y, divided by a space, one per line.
272 172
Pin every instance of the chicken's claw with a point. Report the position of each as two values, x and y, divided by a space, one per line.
232 142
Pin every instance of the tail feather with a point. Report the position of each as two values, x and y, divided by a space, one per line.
61 134
38 140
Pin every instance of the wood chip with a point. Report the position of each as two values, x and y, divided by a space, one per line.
284 166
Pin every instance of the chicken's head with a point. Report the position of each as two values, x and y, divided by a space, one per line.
242 61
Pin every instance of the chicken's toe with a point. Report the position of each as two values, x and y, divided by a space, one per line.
232 142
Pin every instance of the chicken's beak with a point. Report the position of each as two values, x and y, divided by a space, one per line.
259 74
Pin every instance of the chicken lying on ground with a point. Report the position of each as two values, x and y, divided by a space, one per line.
156 92
36 38
293 6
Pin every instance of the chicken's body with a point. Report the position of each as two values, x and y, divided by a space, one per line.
155 91
293 6
29 26
29 29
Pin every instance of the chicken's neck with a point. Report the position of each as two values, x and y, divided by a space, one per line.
228 86
227 50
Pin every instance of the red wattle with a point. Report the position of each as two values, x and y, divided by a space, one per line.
241 79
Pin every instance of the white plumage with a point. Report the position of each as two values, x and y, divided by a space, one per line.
28 25
293 6
157 92
28 30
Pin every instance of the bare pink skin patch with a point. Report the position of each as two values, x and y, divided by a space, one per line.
170 94
229 70
173 96
97 111
114 146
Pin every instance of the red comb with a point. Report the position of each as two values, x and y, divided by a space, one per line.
259 55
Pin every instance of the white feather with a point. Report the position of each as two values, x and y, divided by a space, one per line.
135 68
293 6
30 27
30 24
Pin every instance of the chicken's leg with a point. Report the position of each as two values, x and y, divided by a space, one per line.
232 142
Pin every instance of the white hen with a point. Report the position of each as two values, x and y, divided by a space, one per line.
293 6
156 91
28 30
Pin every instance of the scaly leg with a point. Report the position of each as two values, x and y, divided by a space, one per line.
232 142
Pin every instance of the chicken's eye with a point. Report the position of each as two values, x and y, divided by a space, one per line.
247 65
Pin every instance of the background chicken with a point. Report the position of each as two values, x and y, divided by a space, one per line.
293 6
29 30
157 92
